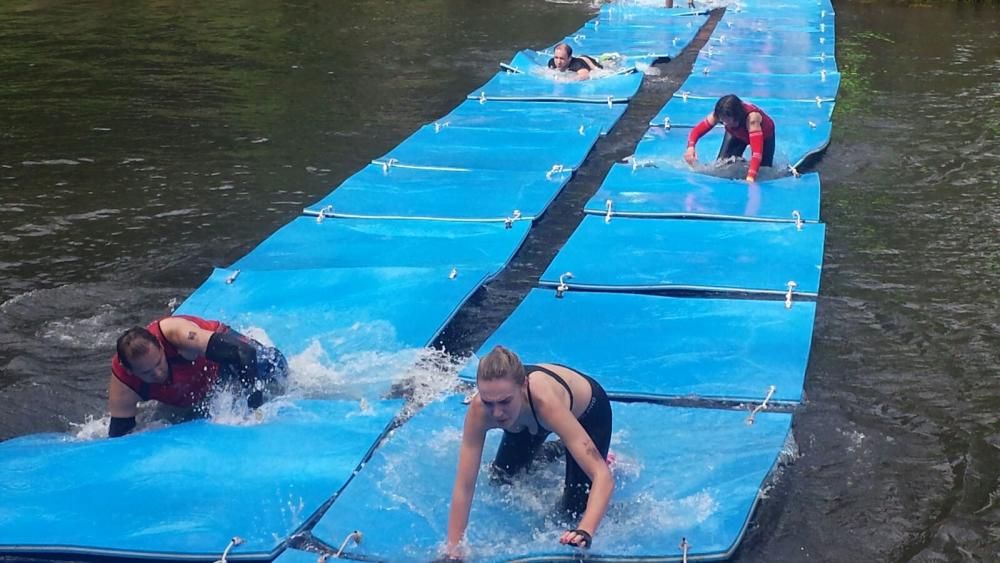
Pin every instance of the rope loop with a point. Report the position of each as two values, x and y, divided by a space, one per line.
812 124
482 97
453 274
354 536
232 277
684 95
822 75
685 546
705 71
508 222
788 294
795 171
760 407
387 164
562 287
666 122
582 130
611 101
607 216
556 169
438 126
235 541
819 102
328 210
798 220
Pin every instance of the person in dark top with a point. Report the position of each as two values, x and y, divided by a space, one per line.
179 360
746 124
579 68
528 403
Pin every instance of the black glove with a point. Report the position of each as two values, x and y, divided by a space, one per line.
585 540
255 399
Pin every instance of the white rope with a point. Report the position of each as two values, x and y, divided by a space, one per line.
684 95
760 407
822 28
509 221
788 295
822 75
819 101
482 96
666 122
611 101
684 549
562 287
798 220
386 164
582 130
607 205
393 163
232 543
812 124
331 213
795 171
328 210
438 126
822 40
556 169
453 274
355 536
822 56
232 277
705 71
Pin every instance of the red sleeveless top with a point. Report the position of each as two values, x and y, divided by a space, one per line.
188 381
766 125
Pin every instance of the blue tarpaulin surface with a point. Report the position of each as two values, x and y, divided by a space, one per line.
648 346
342 310
618 88
680 473
655 254
668 192
541 116
782 86
488 195
307 243
185 489
492 149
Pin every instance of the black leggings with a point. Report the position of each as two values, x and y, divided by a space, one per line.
731 146
518 450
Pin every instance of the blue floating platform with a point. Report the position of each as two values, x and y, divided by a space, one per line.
540 116
183 491
618 88
654 347
668 192
679 473
688 111
680 254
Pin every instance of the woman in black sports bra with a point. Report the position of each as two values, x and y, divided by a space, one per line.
529 403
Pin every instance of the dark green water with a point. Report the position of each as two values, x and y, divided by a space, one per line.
143 143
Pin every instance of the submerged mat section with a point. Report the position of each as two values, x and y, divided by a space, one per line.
184 490
792 145
645 346
667 192
680 473
458 195
309 243
629 254
491 149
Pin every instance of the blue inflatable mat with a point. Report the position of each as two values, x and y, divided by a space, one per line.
343 310
307 243
679 473
615 14
792 145
184 490
542 116
795 41
648 346
668 192
618 88
688 111
656 254
491 149
444 195
732 20
782 86
717 65
633 44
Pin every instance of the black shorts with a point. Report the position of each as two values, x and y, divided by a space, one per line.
731 146
518 450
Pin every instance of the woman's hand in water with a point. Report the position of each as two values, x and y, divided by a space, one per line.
690 156
578 538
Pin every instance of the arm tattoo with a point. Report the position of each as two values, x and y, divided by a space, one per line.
192 335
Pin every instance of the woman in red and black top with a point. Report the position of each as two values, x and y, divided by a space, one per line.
179 360
746 124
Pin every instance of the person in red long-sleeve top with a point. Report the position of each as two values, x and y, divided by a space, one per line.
746 124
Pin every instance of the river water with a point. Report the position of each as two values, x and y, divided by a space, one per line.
140 147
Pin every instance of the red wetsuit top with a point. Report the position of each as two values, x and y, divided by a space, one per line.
766 125
188 381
